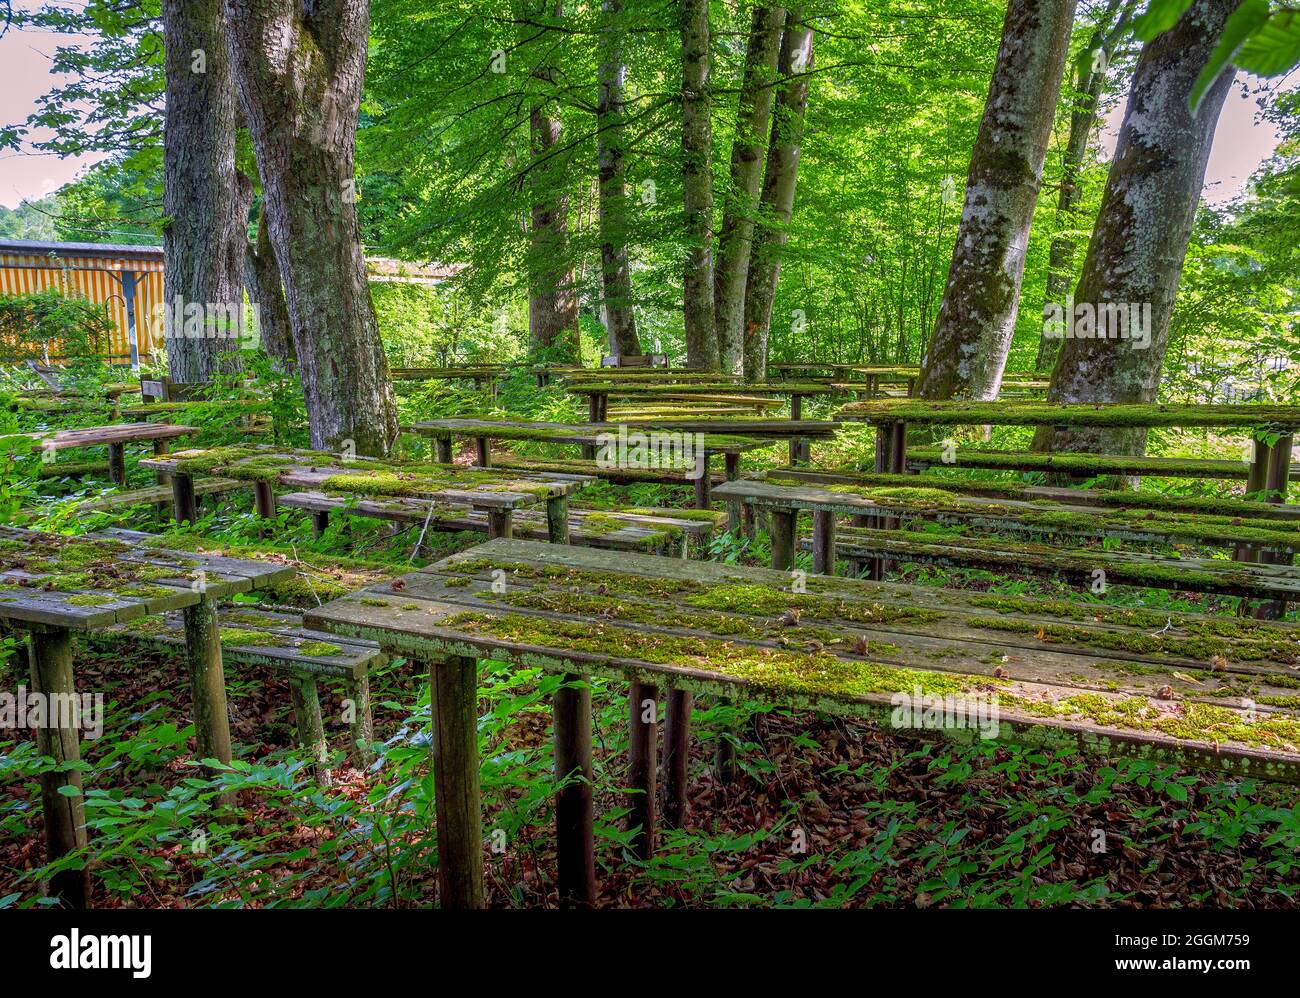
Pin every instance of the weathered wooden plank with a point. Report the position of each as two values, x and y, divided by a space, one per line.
1113 415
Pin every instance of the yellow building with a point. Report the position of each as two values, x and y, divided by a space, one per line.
127 281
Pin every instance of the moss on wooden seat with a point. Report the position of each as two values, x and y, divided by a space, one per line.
1080 464
1114 415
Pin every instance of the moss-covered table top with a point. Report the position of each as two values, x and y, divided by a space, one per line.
102 436
1215 693
94 581
473 371
701 388
592 434
1080 463
1108 415
483 488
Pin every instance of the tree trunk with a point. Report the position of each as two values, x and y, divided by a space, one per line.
777 203
262 278
610 144
977 318
697 186
203 285
552 286
737 234
1143 227
1089 84
299 70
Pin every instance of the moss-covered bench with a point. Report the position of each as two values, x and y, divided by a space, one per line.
158 495
1078 464
1217 694
657 530
279 641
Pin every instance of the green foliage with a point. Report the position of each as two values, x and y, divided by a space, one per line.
41 324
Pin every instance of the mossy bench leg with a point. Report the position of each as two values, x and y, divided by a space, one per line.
733 505
320 521
442 449
454 699
557 520
264 500
782 535
361 731
1277 479
500 523
56 737
642 766
483 451
161 448
823 539
183 505
703 482
311 726
117 465
575 843
207 681
677 755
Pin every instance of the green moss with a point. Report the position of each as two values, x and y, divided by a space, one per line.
368 601
90 599
813 673
319 649
235 637
1008 413
1197 646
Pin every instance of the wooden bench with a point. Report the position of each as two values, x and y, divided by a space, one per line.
607 437
621 476
158 495
1078 464
114 437
1105 680
657 531
279 641
875 506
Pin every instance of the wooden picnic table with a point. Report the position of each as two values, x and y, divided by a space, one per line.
589 437
1057 515
498 493
115 438
846 647
52 585
1270 466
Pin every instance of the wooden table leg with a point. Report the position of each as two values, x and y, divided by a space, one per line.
459 809
1276 483
575 843
500 523
361 731
311 726
320 521
207 679
642 766
442 449
117 464
593 409
703 482
264 500
483 450
557 520
783 539
56 737
183 505
733 505
161 448
677 752
823 542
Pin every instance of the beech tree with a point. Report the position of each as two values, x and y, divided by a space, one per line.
972 334
736 235
697 185
204 234
616 276
776 205
299 68
1140 240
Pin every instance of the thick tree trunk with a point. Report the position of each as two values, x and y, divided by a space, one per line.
610 145
736 236
265 290
202 280
299 70
552 285
777 202
697 185
977 318
1089 85
1140 240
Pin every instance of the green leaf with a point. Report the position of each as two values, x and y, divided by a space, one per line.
1245 19
1275 47
1160 16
